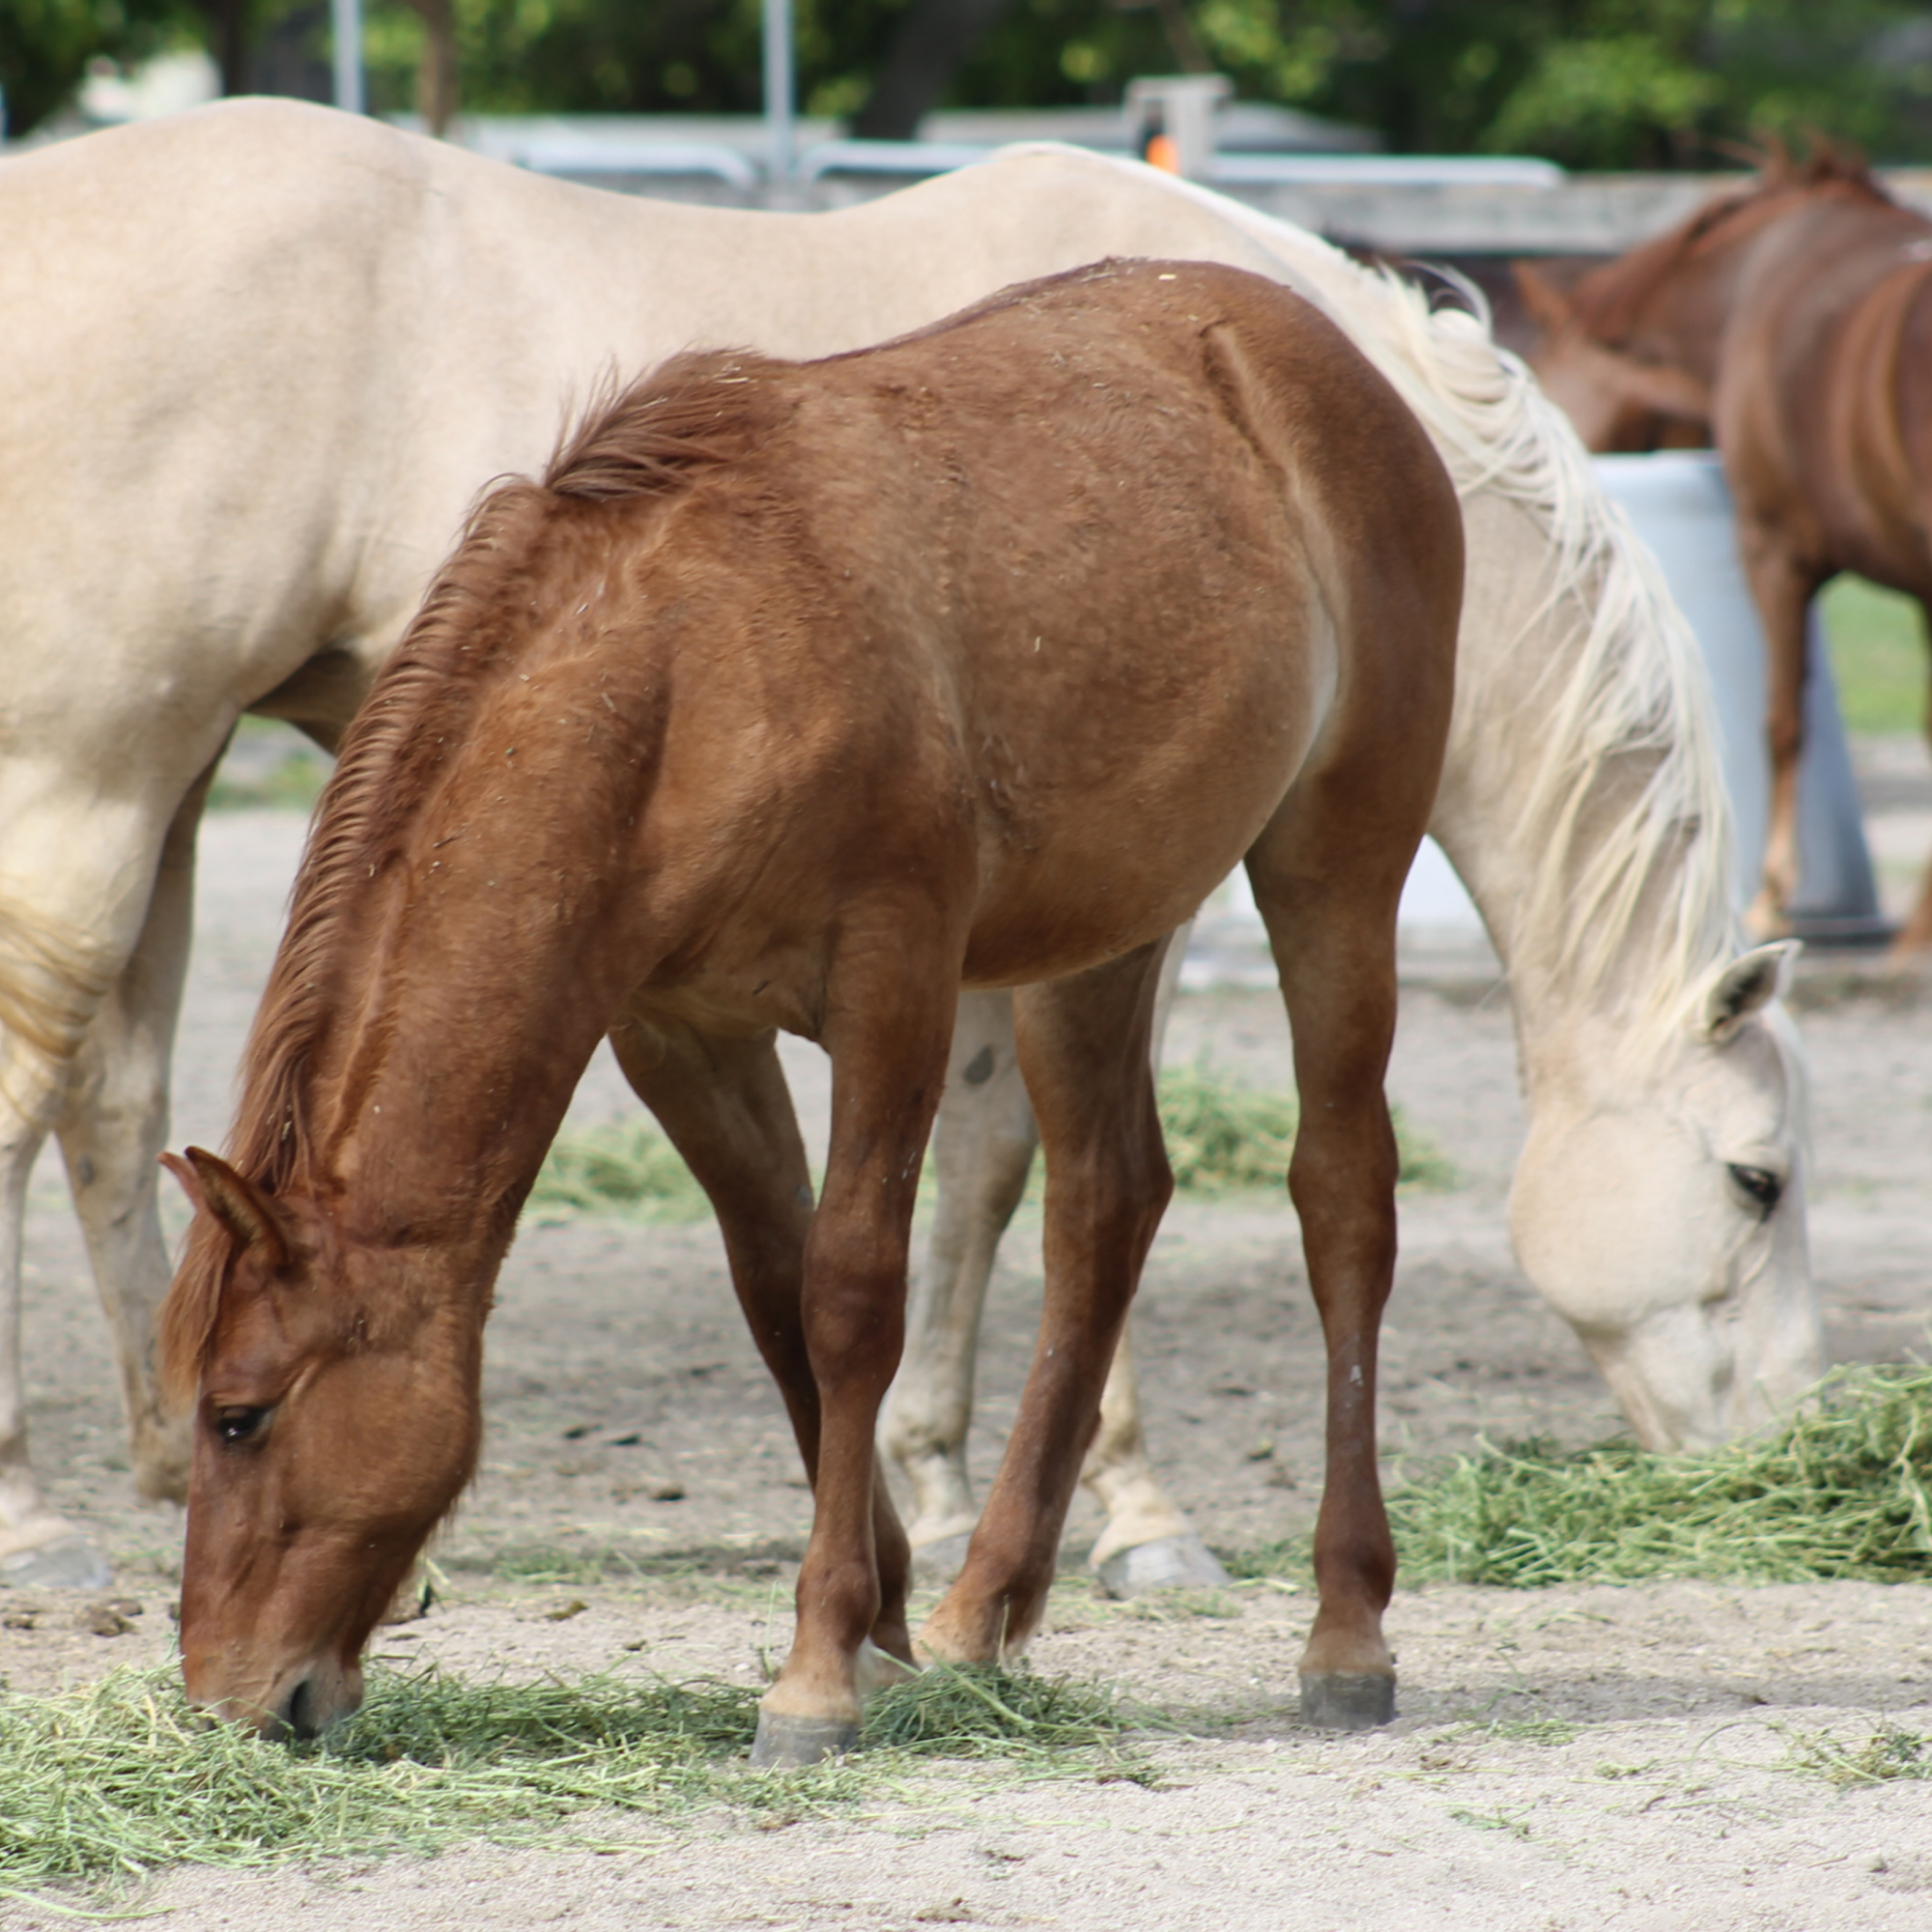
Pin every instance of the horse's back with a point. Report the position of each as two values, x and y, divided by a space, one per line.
1140 536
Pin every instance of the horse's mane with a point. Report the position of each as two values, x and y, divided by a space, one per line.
1612 299
1629 697
652 438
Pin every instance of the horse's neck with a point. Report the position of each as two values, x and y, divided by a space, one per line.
459 1030
1510 710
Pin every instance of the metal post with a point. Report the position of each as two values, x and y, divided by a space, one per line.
779 87
346 32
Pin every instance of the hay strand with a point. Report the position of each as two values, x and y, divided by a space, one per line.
123 1778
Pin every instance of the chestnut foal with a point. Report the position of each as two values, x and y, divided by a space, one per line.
796 697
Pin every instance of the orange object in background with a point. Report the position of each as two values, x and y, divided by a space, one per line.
1162 151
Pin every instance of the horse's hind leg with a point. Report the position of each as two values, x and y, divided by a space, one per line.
983 1147
1782 586
1330 913
1083 1042
112 1130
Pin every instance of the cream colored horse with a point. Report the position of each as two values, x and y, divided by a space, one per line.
256 361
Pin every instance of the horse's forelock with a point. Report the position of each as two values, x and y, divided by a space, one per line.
185 1324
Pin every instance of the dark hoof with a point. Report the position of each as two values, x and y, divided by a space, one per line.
786 1743
1344 1700
1171 1563
67 1563
941 1561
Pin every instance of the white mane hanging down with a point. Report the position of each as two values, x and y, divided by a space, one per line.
1633 683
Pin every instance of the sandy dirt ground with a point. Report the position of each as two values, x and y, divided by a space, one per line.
1583 1757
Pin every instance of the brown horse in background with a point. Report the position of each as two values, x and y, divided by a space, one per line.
1795 319
799 696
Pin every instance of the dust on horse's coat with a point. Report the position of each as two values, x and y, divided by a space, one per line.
1795 319
345 332
793 698
1583 804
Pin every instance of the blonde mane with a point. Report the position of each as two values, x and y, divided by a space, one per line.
1628 693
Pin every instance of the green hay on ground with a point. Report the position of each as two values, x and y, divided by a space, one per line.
293 784
624 1168
976 1711
1224 1137
123 1778
1890 1753
1843 1490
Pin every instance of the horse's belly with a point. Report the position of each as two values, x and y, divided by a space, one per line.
1106 860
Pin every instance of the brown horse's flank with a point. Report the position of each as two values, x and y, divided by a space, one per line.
797 697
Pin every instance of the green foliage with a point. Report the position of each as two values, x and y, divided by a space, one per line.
47 44
1594 83
1843 1490
121 1777
1877 641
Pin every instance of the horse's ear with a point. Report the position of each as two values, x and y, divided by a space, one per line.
1549 307
1745 987
1663 392
238 1204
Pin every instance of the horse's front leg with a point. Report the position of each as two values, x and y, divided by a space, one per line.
725 1106
112 1129
1084 1045
887 1033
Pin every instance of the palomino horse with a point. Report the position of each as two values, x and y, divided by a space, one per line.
344 332
1795 318
795 697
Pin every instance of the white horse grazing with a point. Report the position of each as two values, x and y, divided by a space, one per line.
256 361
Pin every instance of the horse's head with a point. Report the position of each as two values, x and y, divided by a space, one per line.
1666 1217
1619 404
337 1418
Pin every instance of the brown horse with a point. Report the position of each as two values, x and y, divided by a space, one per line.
799 696
1795 319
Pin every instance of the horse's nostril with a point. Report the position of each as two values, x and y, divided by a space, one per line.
299 1710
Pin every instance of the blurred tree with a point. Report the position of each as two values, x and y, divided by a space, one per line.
47 44
1595 83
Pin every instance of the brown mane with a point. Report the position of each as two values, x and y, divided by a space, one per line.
1613 298
653 438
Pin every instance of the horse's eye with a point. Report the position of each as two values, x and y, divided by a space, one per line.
1759 1186
236 1425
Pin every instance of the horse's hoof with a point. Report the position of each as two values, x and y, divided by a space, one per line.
1347 1701
942 1559
786 1743
1168 1563
66 1563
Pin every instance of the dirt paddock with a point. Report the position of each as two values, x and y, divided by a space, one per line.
1584 1757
